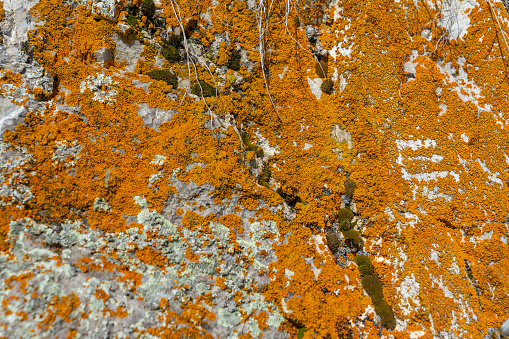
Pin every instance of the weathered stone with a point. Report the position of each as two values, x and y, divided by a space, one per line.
129 52
104 56
154 117
504 329
341 135
10 114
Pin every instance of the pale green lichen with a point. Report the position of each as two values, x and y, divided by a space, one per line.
158 160
216 254
103 87
101 205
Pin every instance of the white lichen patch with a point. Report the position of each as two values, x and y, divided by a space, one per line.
408 292
67 153
102 86
158 160
100 7
101 205
181 281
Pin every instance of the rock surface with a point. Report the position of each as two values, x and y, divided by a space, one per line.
269 206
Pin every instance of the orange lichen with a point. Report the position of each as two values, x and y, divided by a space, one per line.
22 279
382 106
61 307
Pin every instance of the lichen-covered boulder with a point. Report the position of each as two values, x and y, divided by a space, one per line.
232 169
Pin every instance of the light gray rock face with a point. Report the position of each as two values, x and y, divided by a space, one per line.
341 135
314 85
104 55
14 27
202 195
178 281
14 53
100 7
154 117
10 114
129 52
504 329
10 162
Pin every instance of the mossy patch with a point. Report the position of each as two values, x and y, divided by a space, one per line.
148 8
353 240
333 241
264 177
234 62
132 9
249 146
373 287
174 40
170 53
386 314
204 89
371 283
132 21
364 264
350 187
164 75
345 215
300 332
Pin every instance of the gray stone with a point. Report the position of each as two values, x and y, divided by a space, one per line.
11 114
504 329
341 135
104 55
99 7
14 27
129 52
154 117
314 86
345 199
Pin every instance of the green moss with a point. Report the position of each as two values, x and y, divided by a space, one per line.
351 234
333 241
364 264
234 62
132 9
344 217
300 332
203 89
353 239
386 314
171 53
132 21
265 176
327 86
164 75
249 145
148 8
350 187
174 40
371 283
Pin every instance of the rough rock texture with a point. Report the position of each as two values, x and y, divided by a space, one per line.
127 51
374 207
